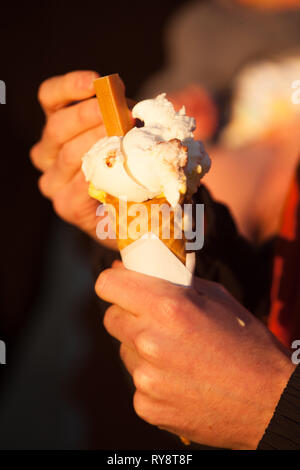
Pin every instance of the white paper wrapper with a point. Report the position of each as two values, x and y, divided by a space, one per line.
149 255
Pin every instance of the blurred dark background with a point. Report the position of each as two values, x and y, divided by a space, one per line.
63 386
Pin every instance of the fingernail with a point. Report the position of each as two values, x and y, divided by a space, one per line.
86 81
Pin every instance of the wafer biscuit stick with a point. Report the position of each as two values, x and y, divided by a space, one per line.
113 105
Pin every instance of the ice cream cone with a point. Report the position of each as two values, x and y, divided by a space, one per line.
173 242
159 166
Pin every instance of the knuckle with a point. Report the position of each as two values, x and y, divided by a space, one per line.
66 156
170 308
139 405
42 93
52 129
108 318
43 185
143 381
146 346
34 154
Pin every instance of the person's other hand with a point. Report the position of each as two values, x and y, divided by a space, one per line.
202 365
73 125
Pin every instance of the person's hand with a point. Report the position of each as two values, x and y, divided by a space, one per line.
202 365
73 125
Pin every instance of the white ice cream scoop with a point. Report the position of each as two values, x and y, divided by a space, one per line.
151 160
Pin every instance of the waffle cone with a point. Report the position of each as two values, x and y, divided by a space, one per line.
176 245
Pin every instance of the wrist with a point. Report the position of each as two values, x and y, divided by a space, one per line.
270 395
283 431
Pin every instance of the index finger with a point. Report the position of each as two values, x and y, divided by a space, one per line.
57 92
134 292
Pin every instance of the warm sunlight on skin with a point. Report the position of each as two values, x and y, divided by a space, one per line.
68 133
202 365
252 181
